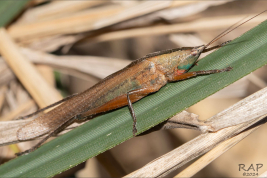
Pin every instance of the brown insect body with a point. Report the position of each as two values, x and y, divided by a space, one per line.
142 77
151 72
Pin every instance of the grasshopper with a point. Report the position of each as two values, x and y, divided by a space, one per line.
142 77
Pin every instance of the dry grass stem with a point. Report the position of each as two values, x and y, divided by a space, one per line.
186 8
205 24
92 65
42 92
205 142
18 111
51 43
169 162
263 174
74 24
8 135
55 9
86 20
131 12
213 154
178 10
245 110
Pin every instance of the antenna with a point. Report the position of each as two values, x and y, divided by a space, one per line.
228 30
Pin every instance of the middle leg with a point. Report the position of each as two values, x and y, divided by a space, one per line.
135 95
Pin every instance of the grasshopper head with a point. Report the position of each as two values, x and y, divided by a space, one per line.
192 56
196 51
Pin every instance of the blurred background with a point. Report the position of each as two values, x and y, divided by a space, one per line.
75 44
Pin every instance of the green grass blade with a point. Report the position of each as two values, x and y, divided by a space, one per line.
245 54
9 9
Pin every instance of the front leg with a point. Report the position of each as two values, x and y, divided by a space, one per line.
212 48
197 73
